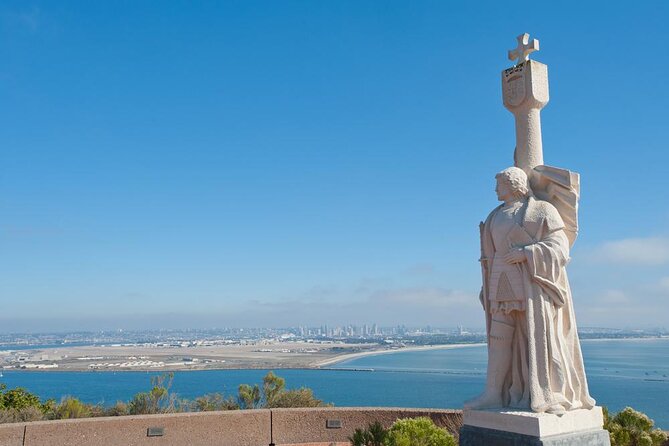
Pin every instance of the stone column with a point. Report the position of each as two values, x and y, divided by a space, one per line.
525 93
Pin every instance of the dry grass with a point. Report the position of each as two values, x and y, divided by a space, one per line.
21 415
452 422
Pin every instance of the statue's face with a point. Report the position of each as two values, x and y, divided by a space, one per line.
503 189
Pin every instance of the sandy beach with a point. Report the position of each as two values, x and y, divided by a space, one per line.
345 357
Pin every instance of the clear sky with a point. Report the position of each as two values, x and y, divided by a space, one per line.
274 163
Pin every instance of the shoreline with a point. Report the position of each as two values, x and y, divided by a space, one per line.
349 356
318 364
655 338
254 360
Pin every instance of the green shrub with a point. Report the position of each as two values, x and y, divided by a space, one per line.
18 404
273 394
71 408
272 388
19 399
632 428
407 432
249 397
118 409
157 400
214 401
418 432
374 435
302 397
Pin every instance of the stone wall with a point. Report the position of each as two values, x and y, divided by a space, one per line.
231 428
295 426
242 428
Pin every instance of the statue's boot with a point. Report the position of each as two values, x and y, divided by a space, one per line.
556 409
499 363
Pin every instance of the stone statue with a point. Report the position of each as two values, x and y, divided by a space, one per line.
534 355
536 392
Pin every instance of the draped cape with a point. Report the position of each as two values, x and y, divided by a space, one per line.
547 364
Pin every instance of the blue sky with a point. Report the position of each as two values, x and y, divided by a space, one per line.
170 164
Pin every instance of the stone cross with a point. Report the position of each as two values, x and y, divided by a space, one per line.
524 48
525 93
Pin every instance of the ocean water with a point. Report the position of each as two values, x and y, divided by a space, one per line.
620 373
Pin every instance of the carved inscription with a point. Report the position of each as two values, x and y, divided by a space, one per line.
513 85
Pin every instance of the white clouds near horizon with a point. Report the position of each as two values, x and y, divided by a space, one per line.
633 251
622 283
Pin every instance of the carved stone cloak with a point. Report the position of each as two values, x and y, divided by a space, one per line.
547 365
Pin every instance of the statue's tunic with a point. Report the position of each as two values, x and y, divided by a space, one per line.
547 365
505 289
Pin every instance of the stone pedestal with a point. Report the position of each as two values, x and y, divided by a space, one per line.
516 428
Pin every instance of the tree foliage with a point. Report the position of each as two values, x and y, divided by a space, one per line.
302 397
273 387
157 400
18 405
214 401
19 399
249 397
273 394
632 428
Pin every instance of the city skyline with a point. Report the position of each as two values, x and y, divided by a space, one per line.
272 165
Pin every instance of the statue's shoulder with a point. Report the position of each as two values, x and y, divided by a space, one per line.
540 210
492 214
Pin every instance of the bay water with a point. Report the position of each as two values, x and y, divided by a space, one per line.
620 373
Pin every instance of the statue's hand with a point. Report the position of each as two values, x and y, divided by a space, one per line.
515 256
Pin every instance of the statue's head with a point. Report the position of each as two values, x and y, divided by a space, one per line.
512 184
